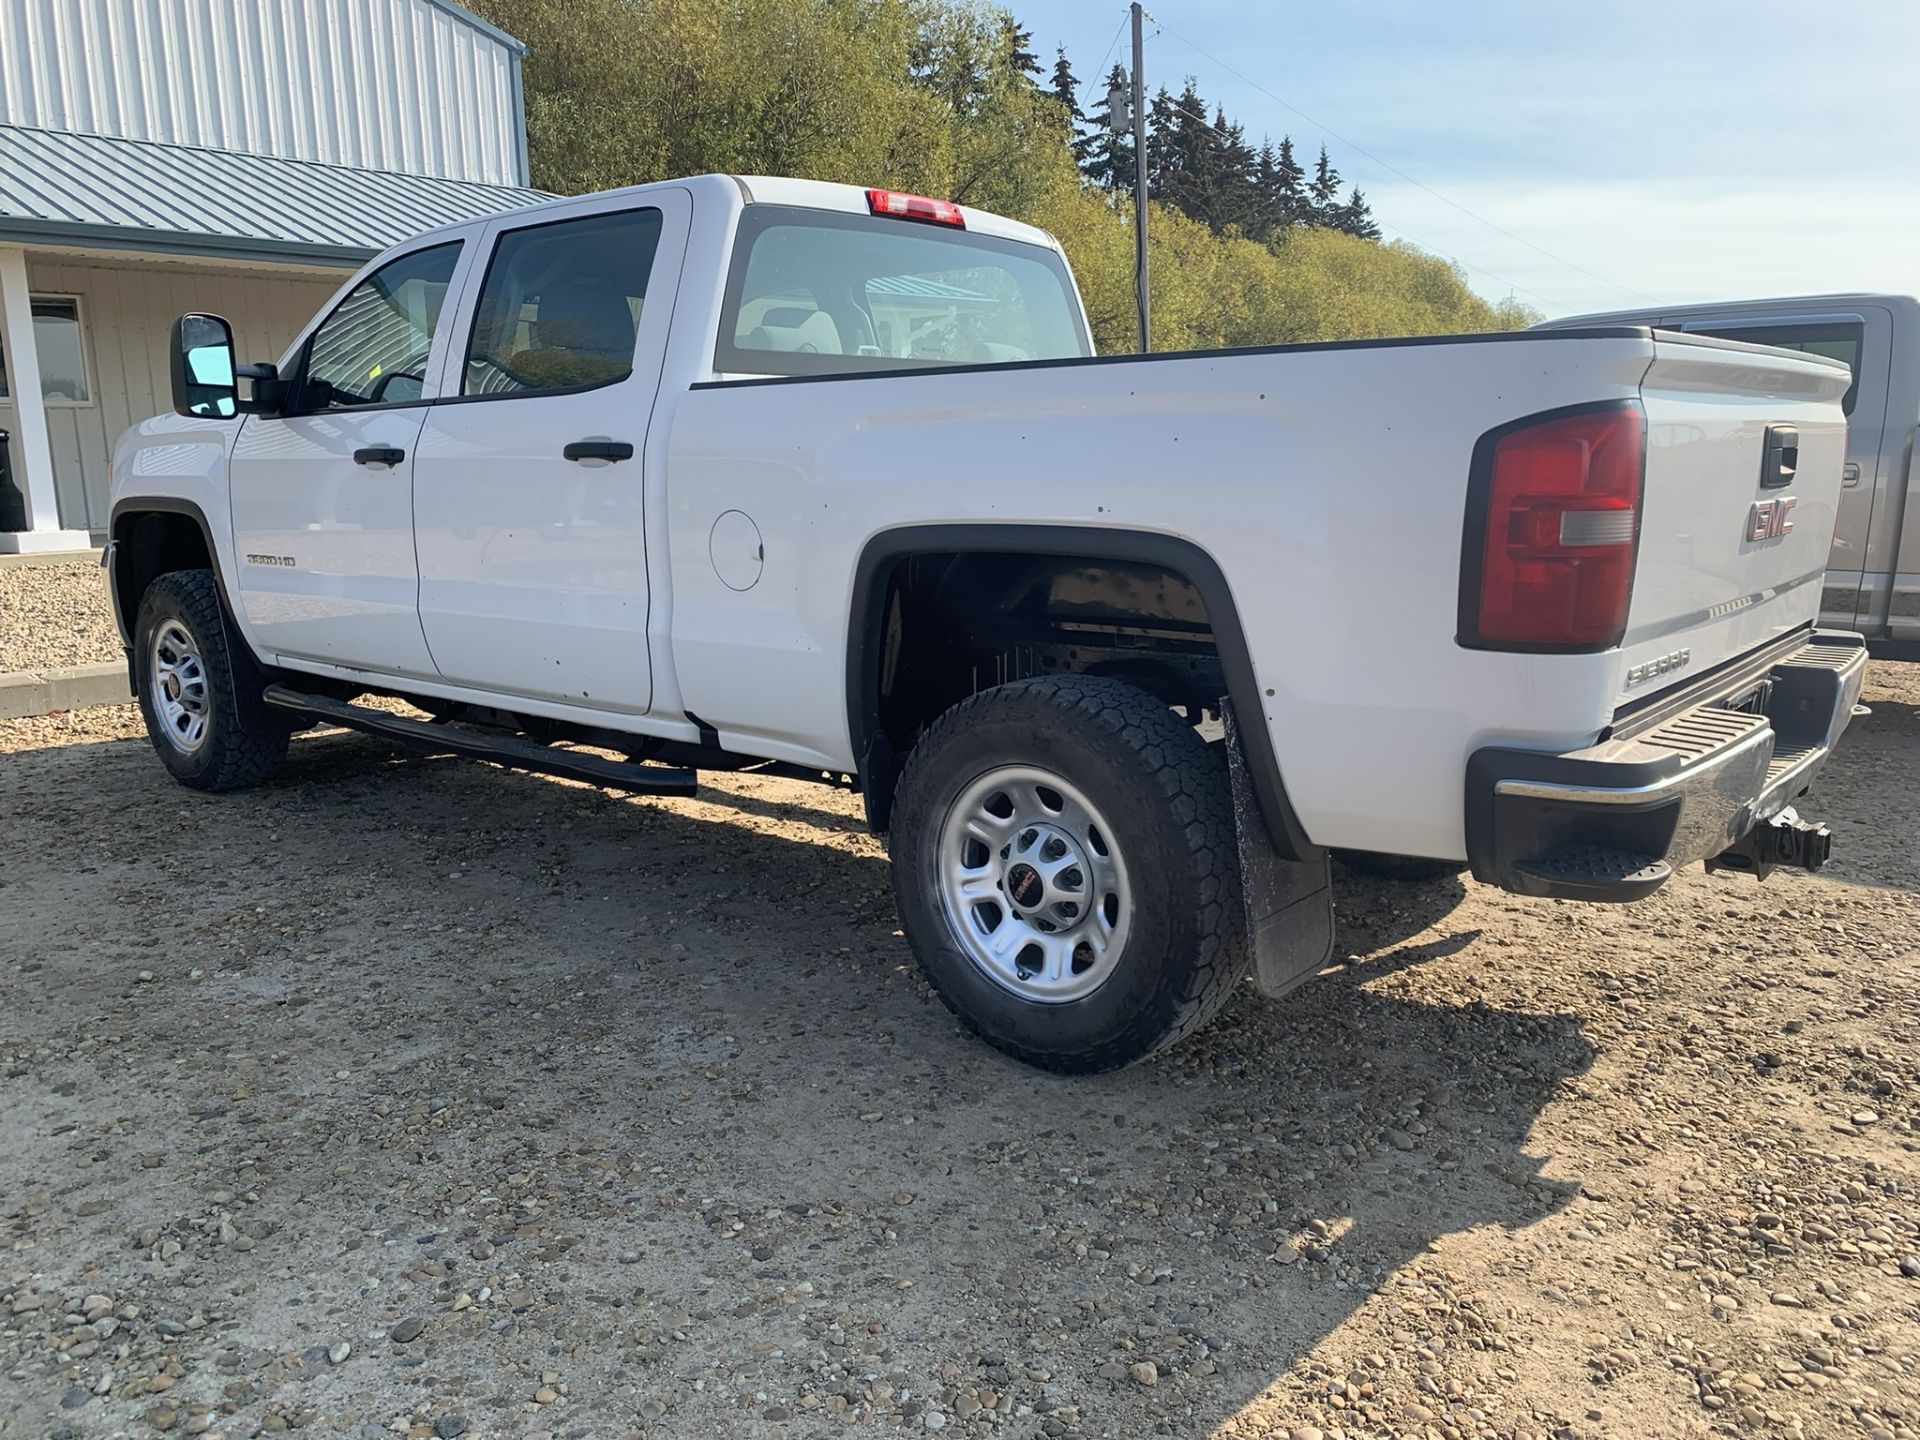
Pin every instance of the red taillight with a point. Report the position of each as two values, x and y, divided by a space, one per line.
1554 526
915 207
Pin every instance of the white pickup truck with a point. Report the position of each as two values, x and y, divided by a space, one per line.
750 473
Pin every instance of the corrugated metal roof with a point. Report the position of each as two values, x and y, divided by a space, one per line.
97 190
920 288
419 86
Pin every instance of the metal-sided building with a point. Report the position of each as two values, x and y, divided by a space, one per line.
237 156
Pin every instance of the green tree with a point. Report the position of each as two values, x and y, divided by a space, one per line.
1064 86
1104 157
931 96
1355 217
1323 194
1015 38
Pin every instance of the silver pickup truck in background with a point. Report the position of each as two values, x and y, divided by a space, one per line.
1873 575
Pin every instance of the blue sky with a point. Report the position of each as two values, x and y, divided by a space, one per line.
1660 152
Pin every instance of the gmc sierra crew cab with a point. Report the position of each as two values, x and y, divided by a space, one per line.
732 473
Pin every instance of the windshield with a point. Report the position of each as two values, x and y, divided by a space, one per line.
814 293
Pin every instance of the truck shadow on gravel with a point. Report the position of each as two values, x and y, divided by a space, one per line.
676 1070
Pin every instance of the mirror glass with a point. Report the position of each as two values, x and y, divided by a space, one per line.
206 346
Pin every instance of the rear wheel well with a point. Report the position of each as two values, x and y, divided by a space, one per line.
950 623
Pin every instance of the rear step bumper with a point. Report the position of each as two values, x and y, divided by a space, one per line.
1613 821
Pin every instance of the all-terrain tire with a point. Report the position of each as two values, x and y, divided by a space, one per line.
242 738
1166 798
1409 869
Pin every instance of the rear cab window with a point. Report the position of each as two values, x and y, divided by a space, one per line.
1832 341
820 293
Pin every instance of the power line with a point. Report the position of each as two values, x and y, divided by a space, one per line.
1180 109
1124 17
1395 169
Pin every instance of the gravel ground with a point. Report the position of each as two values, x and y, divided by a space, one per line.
55 615
407 1097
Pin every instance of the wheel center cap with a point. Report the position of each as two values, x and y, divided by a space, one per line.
1025 887
172 687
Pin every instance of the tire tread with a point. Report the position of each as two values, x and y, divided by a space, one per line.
1193 781
248 740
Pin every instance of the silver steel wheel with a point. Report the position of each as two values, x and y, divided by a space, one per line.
1034 885
177 686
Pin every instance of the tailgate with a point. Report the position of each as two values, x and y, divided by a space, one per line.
1744 449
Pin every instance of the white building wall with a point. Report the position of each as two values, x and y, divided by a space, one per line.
127 312
401 85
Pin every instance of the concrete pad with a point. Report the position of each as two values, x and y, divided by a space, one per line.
38 559
39 542
73 687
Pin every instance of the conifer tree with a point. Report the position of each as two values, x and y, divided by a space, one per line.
1106 158
1018 40
1355 217
1324 192
1064 85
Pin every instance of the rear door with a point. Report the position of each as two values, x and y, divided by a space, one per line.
530 501
1861 337
322 494
1744 454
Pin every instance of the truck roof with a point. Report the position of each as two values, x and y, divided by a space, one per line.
778 190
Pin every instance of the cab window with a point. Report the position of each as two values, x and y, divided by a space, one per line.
560 307
1833 341
816 293
373 349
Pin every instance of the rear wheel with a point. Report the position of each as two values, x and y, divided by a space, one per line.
200 699
1065 865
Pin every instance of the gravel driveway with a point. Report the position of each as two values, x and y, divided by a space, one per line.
55 614
408 1097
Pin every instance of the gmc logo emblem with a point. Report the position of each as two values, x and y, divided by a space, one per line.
1770 519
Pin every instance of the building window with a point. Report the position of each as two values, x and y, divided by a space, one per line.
63 359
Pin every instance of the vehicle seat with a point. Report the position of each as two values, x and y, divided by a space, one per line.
791 328
583 335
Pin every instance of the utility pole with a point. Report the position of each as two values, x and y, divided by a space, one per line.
1140 176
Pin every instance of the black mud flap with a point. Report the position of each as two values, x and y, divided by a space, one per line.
1289 902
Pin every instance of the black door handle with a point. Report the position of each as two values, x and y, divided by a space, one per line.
379 455
598 450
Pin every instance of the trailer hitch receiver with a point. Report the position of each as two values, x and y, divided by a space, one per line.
1785 840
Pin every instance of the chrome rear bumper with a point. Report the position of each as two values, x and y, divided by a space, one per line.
1610 822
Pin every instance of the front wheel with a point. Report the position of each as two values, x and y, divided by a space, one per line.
200 699
1066 871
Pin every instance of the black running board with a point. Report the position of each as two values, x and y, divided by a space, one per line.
512 751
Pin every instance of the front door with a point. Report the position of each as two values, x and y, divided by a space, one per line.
529 501
322 494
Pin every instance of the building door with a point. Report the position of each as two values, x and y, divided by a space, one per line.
529 495
323 493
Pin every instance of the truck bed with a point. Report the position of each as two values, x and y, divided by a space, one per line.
1329 482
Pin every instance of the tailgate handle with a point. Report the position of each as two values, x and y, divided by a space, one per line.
1849 476
1780 460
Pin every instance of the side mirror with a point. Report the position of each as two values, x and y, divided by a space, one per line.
204 384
